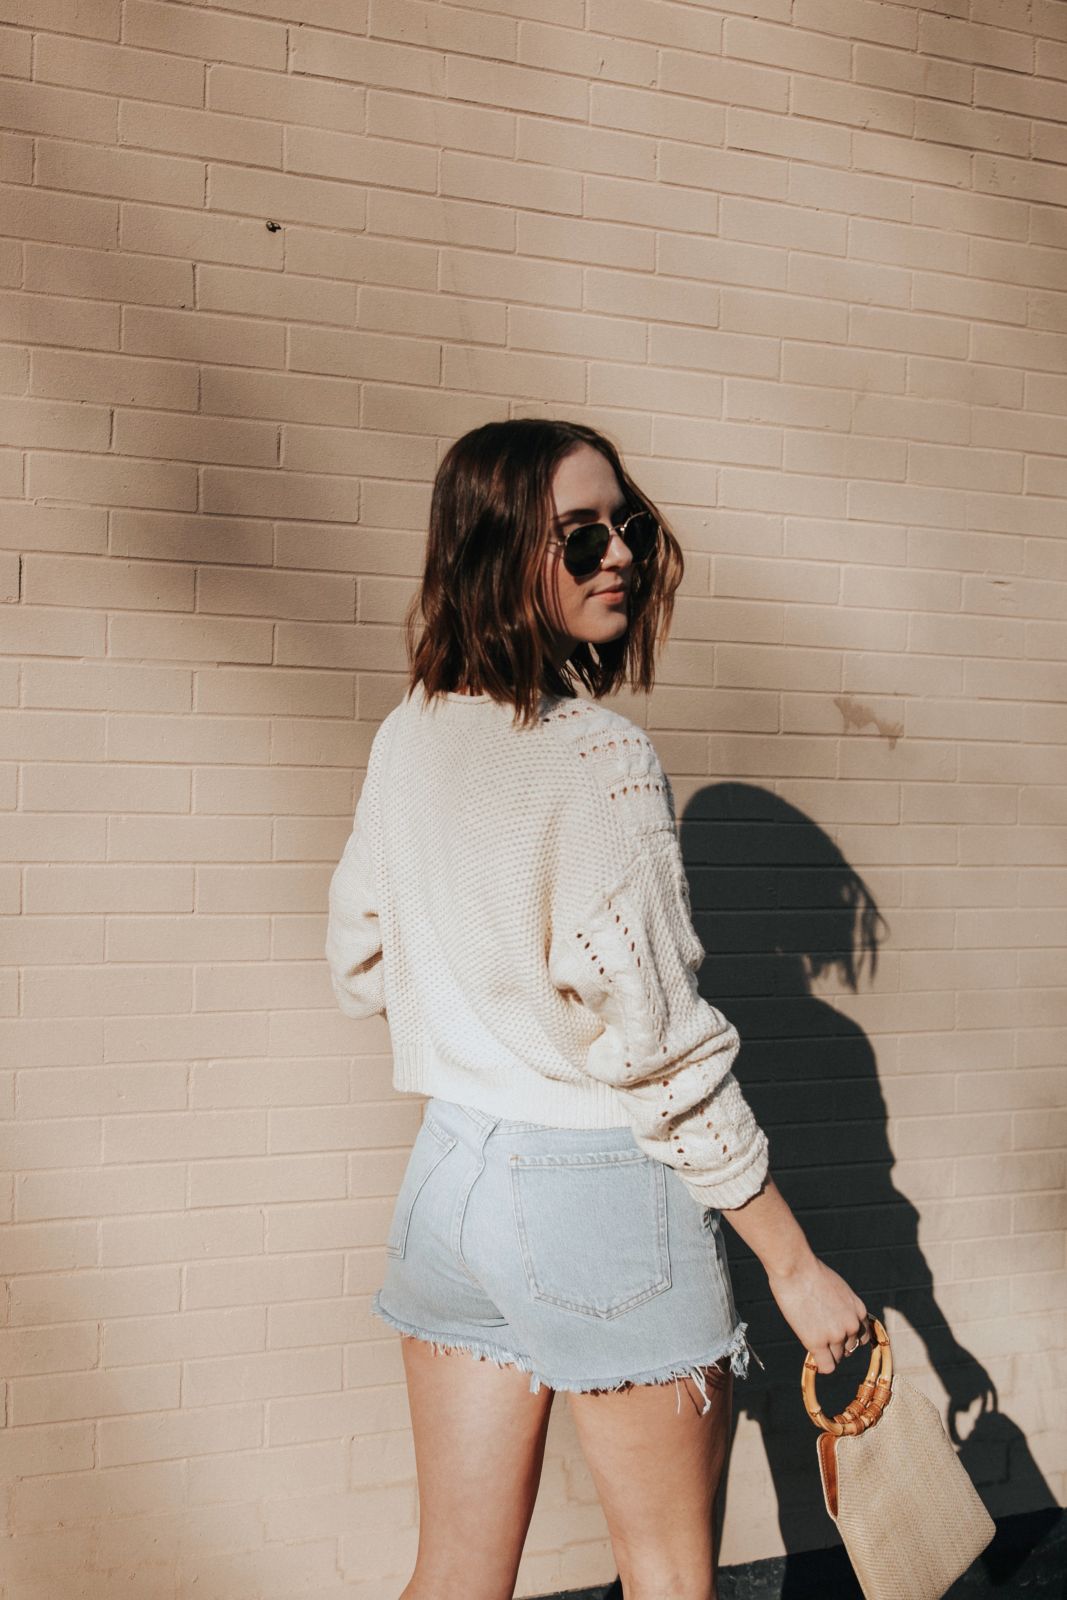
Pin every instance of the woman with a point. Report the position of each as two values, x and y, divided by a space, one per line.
512 898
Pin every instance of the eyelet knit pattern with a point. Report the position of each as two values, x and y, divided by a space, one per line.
514 902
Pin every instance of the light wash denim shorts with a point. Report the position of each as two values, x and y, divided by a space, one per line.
565 1252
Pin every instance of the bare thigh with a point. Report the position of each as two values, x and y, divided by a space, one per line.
657 1472
479 1447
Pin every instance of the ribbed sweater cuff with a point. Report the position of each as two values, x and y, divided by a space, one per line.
726 1194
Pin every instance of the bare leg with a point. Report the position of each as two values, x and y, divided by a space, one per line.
479 1447
657 1473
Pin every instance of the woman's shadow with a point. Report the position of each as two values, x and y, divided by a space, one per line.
777 906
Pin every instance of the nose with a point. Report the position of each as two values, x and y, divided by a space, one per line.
617 547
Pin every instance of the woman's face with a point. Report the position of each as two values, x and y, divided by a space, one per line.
592 610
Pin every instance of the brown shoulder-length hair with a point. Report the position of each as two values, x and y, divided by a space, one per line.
485 622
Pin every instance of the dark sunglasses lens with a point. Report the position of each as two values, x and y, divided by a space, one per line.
586 548
641 534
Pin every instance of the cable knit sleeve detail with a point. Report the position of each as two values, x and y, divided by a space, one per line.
353 935
632 956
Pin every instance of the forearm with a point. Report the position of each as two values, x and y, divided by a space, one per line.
767 1225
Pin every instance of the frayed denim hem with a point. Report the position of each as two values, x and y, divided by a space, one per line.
475 1347
737 1347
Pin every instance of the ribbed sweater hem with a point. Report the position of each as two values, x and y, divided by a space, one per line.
513 1094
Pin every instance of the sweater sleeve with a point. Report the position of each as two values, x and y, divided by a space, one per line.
633 958
353 935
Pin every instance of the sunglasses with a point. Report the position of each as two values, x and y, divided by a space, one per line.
584 548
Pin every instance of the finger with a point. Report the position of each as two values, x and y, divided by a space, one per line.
824 1361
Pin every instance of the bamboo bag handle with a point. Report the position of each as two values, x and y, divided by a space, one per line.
872 1396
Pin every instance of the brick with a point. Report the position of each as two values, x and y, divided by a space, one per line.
437 316
280 494
285 197
364 355
618 154
36 424
1026 180
1025 95
287 396
438 123
866 21
718 77
172 438
593 55
651 112
452 222
104 481
400 410
563 333
120 379
514 88
108 275
290 99
713 351
360 160
16 53
852 192
118 69
203 336
653 205
63 219
981 130
99 19
860 106
973 43
1019 347
676 25
661 299
38 108
505 183
444 27
66 528
196 32
795 48
369 62
722 171
126 174
541 283
523 376
282 295
199 236
656 389
49 319
187 1434
783 226
908 246
396 264
209 134
569 240
758 313
73 1396
792 137
973 214
16 158
103 1191
893 330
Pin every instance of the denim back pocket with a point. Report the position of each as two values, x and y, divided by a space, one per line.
431 1146
592 1229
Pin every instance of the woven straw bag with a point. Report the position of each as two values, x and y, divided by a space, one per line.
909 1515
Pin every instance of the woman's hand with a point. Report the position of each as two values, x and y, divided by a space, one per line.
821 1309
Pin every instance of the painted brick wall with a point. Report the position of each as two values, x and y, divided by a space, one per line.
262 260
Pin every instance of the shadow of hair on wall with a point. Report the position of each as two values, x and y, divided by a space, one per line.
779 908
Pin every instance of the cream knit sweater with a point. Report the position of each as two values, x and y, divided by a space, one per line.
514 901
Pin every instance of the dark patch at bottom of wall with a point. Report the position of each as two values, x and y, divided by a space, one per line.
1027 1557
